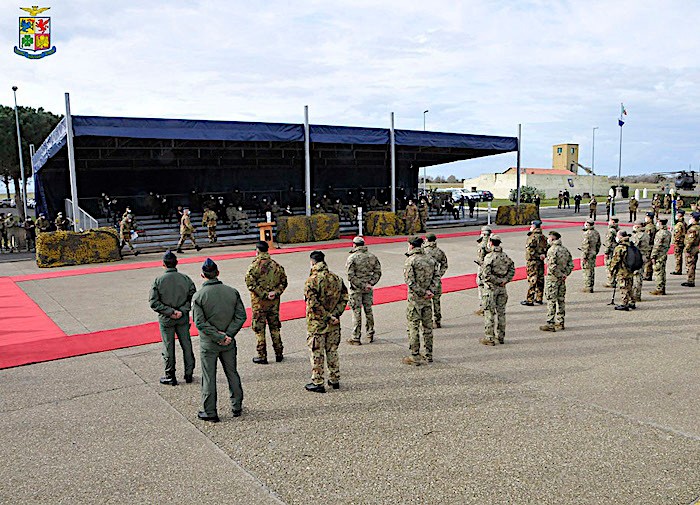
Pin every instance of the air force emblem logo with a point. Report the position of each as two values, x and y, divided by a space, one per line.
34 34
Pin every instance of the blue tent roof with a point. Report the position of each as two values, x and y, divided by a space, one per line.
187 129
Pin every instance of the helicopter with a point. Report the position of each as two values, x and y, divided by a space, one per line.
685 180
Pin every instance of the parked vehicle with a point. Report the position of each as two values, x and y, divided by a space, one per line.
8 202
486 196
31 203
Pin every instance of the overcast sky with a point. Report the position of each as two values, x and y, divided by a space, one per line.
558 67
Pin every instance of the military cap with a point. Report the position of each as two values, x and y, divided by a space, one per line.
623 233
590 221
536 223
486 228
430 237
495 238
696 215
663 220
555 234
262 246
317 256
415 241
209 266
679 211
650 214
169 256
615 218
358 240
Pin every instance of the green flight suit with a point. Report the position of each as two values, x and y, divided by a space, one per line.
170 292
218 312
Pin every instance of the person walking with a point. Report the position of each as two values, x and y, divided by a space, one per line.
186 231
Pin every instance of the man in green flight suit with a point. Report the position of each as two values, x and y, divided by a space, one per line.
171 298
219 315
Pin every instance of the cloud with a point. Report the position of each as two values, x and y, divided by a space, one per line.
559 68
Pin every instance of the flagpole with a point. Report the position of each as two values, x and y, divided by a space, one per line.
619 164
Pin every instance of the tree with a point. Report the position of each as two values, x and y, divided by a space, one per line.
35 125
451 178
527 194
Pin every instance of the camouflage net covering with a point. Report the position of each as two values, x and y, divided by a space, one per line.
293 229
510 214
64 248
324 227
383 224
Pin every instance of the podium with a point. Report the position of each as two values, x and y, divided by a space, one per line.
266 234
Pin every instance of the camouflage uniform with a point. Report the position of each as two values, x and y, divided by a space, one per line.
186 231
656 205
482 249
326 297
640 239
589 250
618 266
535 246
363 268
3 235
209 219
593 208
692 239
560 265
241 219
608 248
125 229
412 219
61 223
265 275
634 205
432 250
650 228
42 225
679 244
659 255
423 214
421 274
498 270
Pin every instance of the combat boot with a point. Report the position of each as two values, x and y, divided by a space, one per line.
315 388
487 341
179 250
370 338
657 292
622 307
334 385
260 360
479 312
688 284
559 327
527 303
412 360
437 324
633 305
548 327
676 273
353 341
279 357
587 290
169 380
198 248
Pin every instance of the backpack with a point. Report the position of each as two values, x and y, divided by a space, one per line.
633 259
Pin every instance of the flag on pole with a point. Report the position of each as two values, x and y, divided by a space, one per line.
623 112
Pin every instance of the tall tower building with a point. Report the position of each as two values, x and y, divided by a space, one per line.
565 156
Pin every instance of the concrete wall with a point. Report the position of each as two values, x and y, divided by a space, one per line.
498 184
501 184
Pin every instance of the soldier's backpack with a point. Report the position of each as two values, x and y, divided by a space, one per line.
634 259
569 263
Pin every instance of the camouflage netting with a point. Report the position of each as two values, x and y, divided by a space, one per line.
293 229
63 248
510 214
324 227
382 223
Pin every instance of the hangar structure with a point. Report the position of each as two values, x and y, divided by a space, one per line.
129 157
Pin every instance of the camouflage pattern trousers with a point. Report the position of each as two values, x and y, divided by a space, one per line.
358 301
324 351
211 233
678 252
637 278
437 307
625 285
125 239
420 315
494 302
647 269
185 236
267 313
588 267
535 280
611 281
691 261
555 292
660 273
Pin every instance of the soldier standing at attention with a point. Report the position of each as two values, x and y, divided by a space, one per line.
634 205
482 250
650 228
209 219
29 233
423 214
692 240
125 229
608 205
266 281
678 241
186 231
242 220
608 247
589 251
618 265
171 297
593 208
3 235
219 315
655 206
640 239
498 271
326 298
364 271
421 276
535 253
412 218
42 224
659 255
432 250
61 223
560 265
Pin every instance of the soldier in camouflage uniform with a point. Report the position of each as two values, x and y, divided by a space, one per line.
559 265
125 229
3 235
633 206
432 250
421 275
535 253
42 224
656 207
423 214
364 271
593 208
608 247
692 240
498 270
266 281
618 266
589 251
412 218
640 239
209 219
326 298
679 230
650 228
241 219
61 223
186 231
482 249
659 255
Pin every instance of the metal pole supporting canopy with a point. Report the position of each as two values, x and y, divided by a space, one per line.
307 161
71 165
393 165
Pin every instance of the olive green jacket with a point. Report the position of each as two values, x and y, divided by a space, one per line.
218 312
170 292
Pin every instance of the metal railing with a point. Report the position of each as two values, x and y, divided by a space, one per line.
84 221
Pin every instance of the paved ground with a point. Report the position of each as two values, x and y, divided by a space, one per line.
605 412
